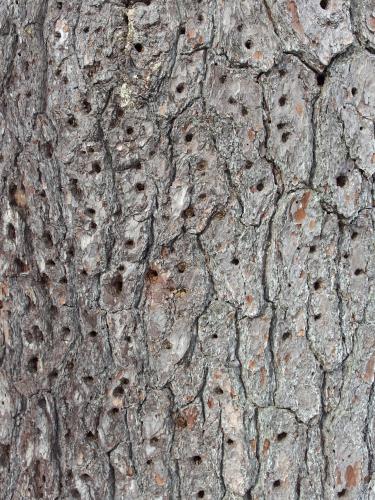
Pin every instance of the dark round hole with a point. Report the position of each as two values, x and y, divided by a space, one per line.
200 494
282 100
286 335
219 390
341 180
230 441
324 4
312 249
317 316
317 285
235 261
277 483
197 459
354 91
180 88
214 336
223 78
129 243
96 167
285 136
248 44
320 79
140 187
189 137
129 130
182 30
138 47
118 391
93 334
281 436
357 272
240 27
260 186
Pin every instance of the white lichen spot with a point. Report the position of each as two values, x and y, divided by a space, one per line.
125 95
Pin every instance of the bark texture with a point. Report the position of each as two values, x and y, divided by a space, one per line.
187 249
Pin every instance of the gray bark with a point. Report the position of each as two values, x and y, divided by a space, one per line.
187 263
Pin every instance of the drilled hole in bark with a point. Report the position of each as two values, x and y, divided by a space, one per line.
358 272
341 493
280 126
129 243
129 130
232 100
152 275
317 284
223 78
260 186
180 88
96 168
230 442
11 232
72 121
32 364
59 5
128 339
53 374
116 284
341 180
320 78
88 379
354 91
138 47
57 34
244 111
248 44
188 213
140 187
214 336
149 461
219 391
240 27
86 29
121 268
286 335
312 249
86 106
282 100
200 494
154 440
114 411
324 4
201 165
317 316
281 436
197 459
63 280
50 263
181 267
189 137
93 334
285 136
19 266
182 30
235 261
124 381
75 493
118 391
200 18
276 483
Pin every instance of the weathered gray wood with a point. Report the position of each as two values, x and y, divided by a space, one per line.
187 265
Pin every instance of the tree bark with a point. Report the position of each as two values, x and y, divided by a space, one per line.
187 264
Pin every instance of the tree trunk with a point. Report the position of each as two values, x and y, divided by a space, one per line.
187 265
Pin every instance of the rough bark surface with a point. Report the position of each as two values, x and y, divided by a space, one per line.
187 249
